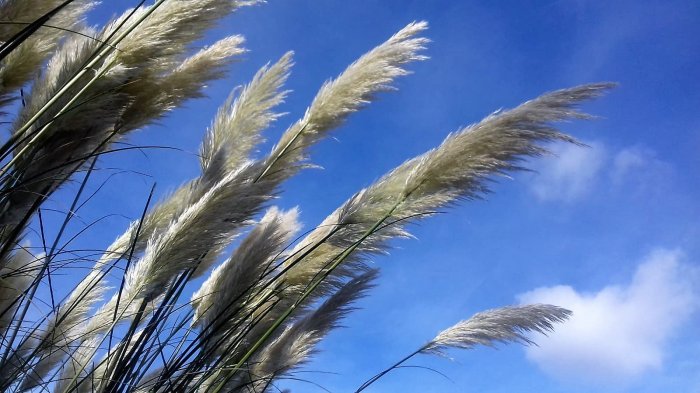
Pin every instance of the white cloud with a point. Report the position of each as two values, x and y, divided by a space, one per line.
571 174
618 333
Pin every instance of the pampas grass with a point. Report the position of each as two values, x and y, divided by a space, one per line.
271 297
487 328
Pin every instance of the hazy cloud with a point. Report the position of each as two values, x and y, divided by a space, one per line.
619 332
569 175
639 168
629 160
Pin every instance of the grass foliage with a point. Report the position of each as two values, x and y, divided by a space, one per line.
265 305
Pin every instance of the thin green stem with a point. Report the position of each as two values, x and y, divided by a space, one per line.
383 373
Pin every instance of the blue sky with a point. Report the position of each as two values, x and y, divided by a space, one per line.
610 231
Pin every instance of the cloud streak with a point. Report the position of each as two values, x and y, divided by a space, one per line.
620 332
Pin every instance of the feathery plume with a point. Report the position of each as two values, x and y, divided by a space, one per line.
293 346
203 226
226 302
298 341
166 33
505 324
500 325
234 132
17 274
22 64
221 293
157 94
26 11
349 92
457 169
239 123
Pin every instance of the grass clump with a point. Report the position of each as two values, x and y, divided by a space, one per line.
264 306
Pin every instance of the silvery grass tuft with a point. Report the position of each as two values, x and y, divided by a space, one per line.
272 293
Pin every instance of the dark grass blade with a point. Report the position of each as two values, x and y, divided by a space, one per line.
19 319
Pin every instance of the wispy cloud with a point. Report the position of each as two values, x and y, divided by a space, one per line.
638 168
629 160
620 332
571 174
576 172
